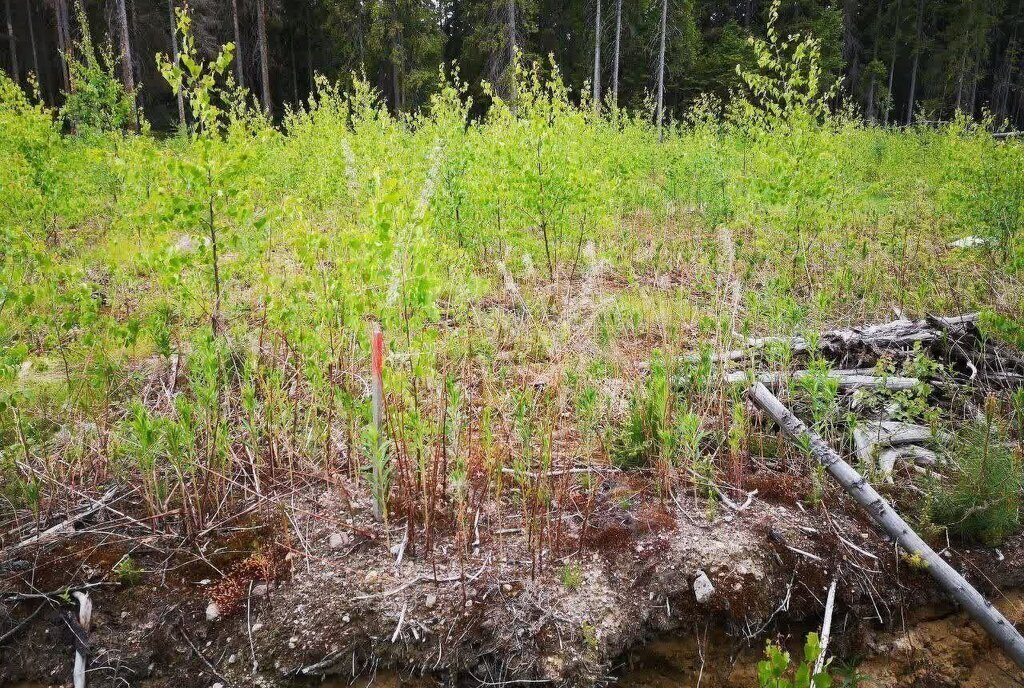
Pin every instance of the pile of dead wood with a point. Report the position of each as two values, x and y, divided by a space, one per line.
972 366
855 352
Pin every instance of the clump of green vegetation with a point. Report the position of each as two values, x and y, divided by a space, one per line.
190 314
777 669
645 436
571 576
97 101
1003 327
984 502
127 571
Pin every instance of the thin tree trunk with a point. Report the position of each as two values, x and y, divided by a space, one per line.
870 109
851 48
597 57
615 60
917 62
133 18
261 33
513 47
1006 81
239 64
396 57
60 10
1001 95
11 44
309 50
892 62
32 41
127 73
359 37
174 52
974 92
661 68
295 70
960 79
395 92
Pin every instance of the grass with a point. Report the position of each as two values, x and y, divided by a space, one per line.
193 314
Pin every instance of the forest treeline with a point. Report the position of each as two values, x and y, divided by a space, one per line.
897 60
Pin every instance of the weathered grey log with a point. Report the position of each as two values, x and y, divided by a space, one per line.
847 379
893 433
919 455
980 609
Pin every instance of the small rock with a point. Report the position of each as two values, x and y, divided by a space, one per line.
430 601
256 628
261 590
346 618
337 541
469 604
217 685
506 587
185 244
212 611
702 587
292 642
232 659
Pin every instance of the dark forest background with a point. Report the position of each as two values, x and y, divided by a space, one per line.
897 59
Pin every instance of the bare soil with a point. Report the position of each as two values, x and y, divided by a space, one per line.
335 603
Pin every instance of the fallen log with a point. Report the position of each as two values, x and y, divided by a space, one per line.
980 609
847 379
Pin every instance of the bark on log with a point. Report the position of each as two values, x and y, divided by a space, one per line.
980 609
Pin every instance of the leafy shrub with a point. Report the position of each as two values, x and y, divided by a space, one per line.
97 101
776 670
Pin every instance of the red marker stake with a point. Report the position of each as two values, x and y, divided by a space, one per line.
377 392
378 378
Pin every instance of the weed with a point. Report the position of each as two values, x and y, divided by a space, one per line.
571 576
645 437
127 571
777 669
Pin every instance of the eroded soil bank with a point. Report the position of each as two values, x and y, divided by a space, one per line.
344 604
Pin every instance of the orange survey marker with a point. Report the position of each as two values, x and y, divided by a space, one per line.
378 376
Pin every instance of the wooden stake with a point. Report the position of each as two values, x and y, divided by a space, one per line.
980 609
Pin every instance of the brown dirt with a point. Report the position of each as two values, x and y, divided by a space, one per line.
937 649
352 611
